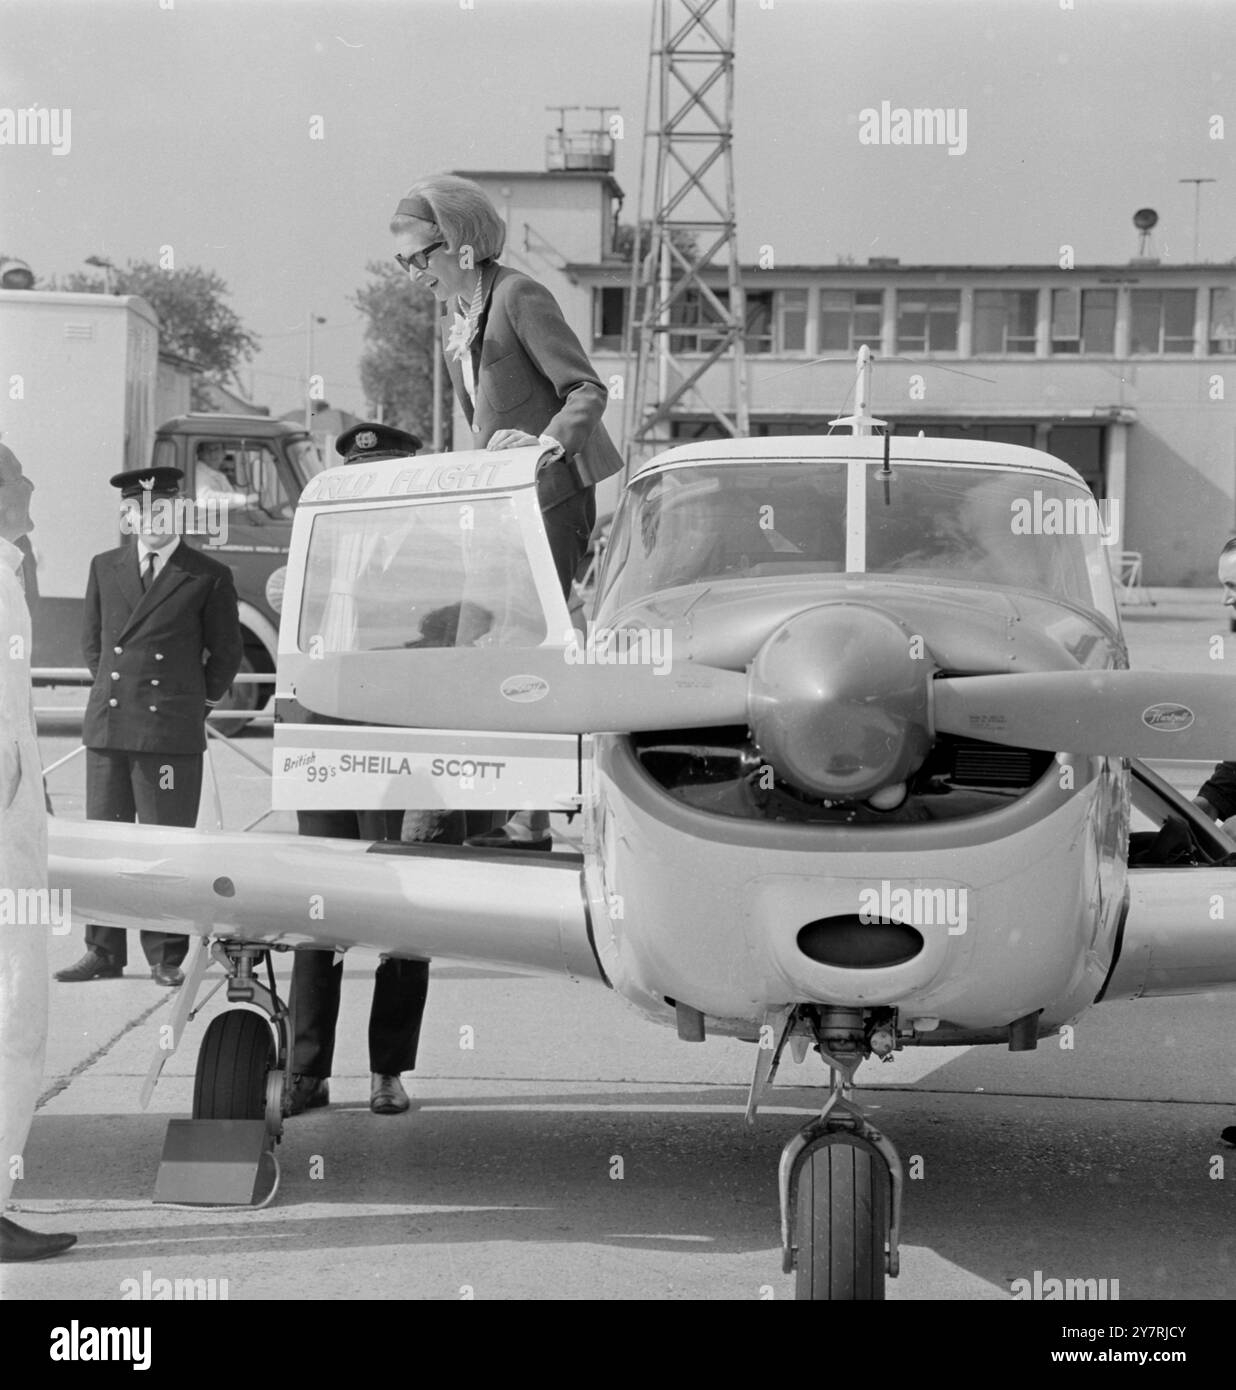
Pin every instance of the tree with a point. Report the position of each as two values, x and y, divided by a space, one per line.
194 320
401 341
686 241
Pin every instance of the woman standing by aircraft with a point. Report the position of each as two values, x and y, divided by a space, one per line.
519 373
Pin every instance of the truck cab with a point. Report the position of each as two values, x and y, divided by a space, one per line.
252 469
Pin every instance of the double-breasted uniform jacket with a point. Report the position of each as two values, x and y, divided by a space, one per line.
532 374
157 657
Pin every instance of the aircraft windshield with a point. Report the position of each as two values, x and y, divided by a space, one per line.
967 525
441 574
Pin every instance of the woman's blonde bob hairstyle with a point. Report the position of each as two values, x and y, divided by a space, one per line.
461 211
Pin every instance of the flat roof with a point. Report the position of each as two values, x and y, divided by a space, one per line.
903 448
757 272
602 174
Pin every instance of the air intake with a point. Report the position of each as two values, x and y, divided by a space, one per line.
853 944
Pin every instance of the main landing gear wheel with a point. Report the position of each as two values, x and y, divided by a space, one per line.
842 1223
233 1063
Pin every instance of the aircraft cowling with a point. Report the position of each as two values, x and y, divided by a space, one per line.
837 701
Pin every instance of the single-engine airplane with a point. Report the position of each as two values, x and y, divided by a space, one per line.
851 735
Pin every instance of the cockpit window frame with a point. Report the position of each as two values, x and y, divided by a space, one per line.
1101 602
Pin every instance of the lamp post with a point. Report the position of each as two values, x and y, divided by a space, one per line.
313 318
106 267
1197 212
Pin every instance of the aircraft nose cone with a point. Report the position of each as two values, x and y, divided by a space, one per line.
838 701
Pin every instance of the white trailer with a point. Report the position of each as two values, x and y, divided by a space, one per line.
78 376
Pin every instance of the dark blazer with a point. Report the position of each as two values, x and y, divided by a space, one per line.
533 375
1220 790
157 657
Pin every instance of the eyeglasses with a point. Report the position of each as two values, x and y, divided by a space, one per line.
419 260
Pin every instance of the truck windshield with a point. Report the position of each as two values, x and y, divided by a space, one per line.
426 574
305 459
961 524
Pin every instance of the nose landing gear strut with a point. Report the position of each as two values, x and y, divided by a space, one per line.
841 1180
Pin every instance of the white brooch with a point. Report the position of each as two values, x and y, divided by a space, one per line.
463 327
463 330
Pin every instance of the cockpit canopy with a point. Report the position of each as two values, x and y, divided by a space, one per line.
777 518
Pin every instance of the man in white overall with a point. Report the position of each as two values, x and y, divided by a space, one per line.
23 866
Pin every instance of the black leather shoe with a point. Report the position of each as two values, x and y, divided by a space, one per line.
17 1243
94 965
169 975
499 839
386 1095
304 1093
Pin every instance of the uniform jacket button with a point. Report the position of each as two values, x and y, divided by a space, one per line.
158 656
115 675
113 702
154 709
154 682
118 650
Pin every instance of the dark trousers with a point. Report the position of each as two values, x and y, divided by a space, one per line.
155 789
400 987
568 525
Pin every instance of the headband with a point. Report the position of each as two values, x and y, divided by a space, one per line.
418 207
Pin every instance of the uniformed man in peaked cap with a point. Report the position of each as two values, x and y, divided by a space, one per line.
162 641
400 987
366 442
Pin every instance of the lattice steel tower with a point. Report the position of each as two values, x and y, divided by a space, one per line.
692 227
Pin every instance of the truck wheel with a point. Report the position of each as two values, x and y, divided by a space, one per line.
232 1062
842 1222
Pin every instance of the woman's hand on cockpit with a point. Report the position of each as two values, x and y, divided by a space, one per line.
512 439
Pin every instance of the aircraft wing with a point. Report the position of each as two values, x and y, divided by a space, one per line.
515 908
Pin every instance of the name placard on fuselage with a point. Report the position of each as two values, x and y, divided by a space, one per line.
321 767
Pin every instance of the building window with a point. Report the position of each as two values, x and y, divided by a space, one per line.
609 312
927 320
1223 321
1161 321
850 319
1005 320
699 328
1083 321
696 323
791 320
759 325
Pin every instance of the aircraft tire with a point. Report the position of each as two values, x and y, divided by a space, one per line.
232 1064
842 1223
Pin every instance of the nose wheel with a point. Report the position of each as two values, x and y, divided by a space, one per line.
841 1182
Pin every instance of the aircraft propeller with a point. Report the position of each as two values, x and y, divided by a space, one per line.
834 700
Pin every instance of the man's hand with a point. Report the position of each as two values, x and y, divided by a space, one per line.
512 439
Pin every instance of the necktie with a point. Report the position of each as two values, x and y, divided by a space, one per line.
148 570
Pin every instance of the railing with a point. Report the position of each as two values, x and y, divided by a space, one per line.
1130 579
79 675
